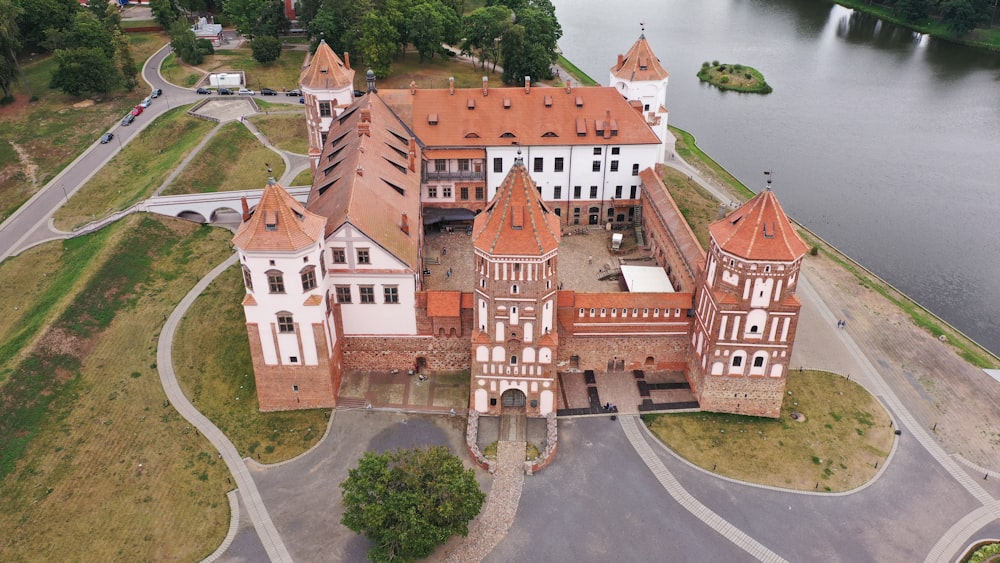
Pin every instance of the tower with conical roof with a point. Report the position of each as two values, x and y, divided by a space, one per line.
514 343
641 79
327 85
746 311
292 333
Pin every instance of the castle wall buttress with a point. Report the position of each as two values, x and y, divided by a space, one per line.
291 387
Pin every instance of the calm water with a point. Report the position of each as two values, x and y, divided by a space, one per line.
884 142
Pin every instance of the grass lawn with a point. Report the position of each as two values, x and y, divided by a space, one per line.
38 139
846 431
179 73
233 160
212 360
734 77
287 131
83 406
135 172
282 73
688 149
305 178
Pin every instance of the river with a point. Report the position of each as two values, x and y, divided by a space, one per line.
884 142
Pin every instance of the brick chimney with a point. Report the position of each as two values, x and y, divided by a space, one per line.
621 60
404 224
527 84
246 208
365 129
569 86
413 88
451 85
413 155
347 60
486 86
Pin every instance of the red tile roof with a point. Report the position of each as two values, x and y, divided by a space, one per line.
516 222
364 178
279 223
326 70
545 116
759 230
640 63
444 303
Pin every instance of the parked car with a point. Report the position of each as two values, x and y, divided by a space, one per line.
295 92
267 92
302 100
203 91
359 93
137 110
128 119
146 102
225 92
246 92
156 93
106 138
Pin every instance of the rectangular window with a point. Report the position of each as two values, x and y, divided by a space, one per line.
632 191
363 256
596 166
614 166
324 109
618 192
558 166
464 193
556 192
593 192
616 150
577 192
275 282
737 361
309 279
367 293
286 324
479 193
343 294
446 191
391 293
635 169
339 256
498 164
539 164
597 151
247 280
440 165
432 191
463 165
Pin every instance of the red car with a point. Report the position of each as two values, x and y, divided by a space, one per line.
136 110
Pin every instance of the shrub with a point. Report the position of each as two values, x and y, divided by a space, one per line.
265 49
814 250
738 67
724 80
705 64
715 63
6 100
747 75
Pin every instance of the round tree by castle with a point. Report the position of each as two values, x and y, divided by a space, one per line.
740 78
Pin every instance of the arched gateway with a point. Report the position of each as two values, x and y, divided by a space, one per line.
512 398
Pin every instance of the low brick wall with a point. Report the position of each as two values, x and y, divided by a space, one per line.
387 353
756 396
594 352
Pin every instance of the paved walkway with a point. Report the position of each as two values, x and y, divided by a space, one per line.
255 508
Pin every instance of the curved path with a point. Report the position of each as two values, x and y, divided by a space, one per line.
252 501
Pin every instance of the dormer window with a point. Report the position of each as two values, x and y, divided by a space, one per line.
506 103
432 119
270 220
471 104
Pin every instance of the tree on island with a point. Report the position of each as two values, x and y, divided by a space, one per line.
408 502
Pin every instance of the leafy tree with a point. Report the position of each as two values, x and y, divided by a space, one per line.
409 501
84 70
10 42
961 16
39 15
484 29
257 17
89 33
430 24
124 61
912 10
165 12
265 49
512 49
378 42
184 43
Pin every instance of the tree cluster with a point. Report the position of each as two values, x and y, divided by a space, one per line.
960 16
408 502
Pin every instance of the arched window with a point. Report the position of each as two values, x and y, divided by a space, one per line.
308 275
286 324
513 289
275 281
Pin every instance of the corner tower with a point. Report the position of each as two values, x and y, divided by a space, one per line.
327 85
746 311
514 342
642 80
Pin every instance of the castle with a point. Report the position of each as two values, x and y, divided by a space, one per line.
344 282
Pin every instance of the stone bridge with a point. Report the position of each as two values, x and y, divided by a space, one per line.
225 207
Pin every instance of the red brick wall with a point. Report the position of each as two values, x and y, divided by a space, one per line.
668 352
387 353
758 396
317 385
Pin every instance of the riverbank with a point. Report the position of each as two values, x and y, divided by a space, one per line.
981 37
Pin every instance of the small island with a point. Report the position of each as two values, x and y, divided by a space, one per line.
740 78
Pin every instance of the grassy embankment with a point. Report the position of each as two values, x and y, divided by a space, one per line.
282 73
82 405
735 77
232 160
836 448
971 352
137 171
983 37
41 138
577 74
212 361
286 131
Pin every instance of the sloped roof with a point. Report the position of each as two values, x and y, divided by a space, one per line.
364 178
545 116
279 223
444 303
640 63
326 70
759 230
516 222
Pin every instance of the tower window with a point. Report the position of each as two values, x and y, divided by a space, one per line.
275 282
758 362
285 323
737 361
